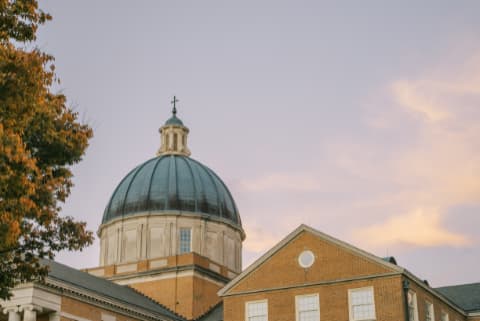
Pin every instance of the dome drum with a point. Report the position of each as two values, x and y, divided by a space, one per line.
151 238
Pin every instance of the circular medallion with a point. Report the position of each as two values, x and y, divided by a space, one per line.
306 259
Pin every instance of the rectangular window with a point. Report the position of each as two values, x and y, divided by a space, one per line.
444 316
307 307
412 306
256 311
185 240
429 316
361 304
107 317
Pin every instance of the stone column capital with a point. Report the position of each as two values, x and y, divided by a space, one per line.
11 309
31 307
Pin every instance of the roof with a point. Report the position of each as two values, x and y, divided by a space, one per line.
122 294
175 183
466 296
214 314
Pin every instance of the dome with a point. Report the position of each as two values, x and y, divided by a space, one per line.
174 120
173 184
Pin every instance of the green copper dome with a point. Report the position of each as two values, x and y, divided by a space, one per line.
174 120
173 184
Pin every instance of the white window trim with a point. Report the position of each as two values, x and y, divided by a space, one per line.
430 302
297 297
415 316
446 313
256 301
350 311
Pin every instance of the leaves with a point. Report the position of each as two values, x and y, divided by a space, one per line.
40 138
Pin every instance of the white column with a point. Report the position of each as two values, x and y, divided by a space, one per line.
30 312
13 313
54 316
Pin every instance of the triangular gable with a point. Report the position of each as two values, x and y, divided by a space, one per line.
392 268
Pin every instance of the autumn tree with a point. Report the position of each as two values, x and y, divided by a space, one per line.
40 139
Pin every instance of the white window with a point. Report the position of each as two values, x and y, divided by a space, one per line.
444 316
185 240
107 317
412 306
256 311
429 315
361 304
307 307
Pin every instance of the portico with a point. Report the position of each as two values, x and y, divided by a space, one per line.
29 302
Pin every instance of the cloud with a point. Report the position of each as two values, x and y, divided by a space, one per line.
281 181
410 96
421 227
433 168
259 240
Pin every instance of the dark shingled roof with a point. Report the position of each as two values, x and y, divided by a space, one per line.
121 294
466 296
215 314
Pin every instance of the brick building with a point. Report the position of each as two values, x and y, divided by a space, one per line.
171 249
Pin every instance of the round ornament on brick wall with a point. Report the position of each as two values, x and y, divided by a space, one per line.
306 259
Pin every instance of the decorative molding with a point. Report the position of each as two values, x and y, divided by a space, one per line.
96 272
73 317
152 273
214 267
169 275
127 268
154 264
30 307
310 284
29 296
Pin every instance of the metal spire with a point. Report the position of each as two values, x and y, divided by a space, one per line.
173 102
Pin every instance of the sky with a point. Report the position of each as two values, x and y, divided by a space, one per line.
358 118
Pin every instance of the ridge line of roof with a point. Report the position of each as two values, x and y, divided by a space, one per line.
292 235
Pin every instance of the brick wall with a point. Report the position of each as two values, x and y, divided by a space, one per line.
332 263
333 301
84 310
336 269
189 296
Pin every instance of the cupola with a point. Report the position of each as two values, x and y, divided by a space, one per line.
173 135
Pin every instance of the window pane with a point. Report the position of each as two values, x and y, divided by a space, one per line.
185 240
309 316
412 306
308 308
257 311
428 311
362 304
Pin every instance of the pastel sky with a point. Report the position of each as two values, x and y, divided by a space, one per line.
359 118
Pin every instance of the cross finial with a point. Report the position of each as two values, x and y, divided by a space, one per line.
173 102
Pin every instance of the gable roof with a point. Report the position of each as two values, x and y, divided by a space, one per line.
304 228
63 276
466 296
